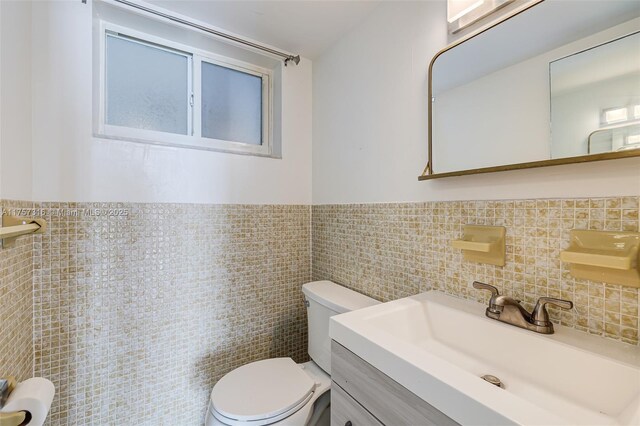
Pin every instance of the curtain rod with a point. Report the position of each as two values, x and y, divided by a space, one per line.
286 56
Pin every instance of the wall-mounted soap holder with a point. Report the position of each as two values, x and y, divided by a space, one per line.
604 256
482 244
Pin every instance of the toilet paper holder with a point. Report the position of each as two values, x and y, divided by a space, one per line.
6 387
16 418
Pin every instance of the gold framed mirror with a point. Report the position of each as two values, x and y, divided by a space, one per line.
504 81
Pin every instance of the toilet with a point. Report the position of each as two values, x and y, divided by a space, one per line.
278 391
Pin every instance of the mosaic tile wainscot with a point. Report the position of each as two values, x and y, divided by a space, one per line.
140 308
389 251
16 304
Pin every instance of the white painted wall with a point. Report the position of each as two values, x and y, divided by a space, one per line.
15 100
370 128
1 62
370 123
71 165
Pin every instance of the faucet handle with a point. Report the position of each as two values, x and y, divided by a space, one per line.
482 286
540 316
494 295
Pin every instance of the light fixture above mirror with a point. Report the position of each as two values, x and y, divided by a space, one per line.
462 13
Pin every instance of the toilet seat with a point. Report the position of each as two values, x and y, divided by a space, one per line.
261 393
260 422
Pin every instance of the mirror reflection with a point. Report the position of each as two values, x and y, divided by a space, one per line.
555 87
595 99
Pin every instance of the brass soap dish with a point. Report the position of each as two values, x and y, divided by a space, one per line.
604 256
482 244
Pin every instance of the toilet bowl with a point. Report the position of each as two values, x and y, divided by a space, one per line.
278 391
272 391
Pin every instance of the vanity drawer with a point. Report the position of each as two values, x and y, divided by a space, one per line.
345 411
387 400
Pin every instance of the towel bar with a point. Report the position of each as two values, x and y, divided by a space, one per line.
14 227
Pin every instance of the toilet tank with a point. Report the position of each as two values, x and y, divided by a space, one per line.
325 299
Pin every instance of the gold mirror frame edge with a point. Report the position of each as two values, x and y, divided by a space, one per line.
535 164
428 174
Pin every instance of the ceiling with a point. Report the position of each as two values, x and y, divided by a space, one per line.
300 27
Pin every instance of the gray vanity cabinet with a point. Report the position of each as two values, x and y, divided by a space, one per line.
361 395
346 410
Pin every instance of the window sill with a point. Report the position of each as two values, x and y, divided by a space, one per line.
193 142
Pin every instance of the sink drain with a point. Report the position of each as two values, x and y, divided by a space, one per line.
493 380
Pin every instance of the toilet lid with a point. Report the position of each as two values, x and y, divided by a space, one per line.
261 390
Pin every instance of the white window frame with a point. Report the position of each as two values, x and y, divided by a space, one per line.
194 138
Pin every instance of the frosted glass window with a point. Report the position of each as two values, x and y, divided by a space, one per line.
146 87
158 91
231 105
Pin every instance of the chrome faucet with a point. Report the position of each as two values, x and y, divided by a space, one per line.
510 311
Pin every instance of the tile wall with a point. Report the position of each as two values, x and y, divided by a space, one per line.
134 311
390 251
140 308
16 305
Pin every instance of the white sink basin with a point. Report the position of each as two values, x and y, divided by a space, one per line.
438 346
